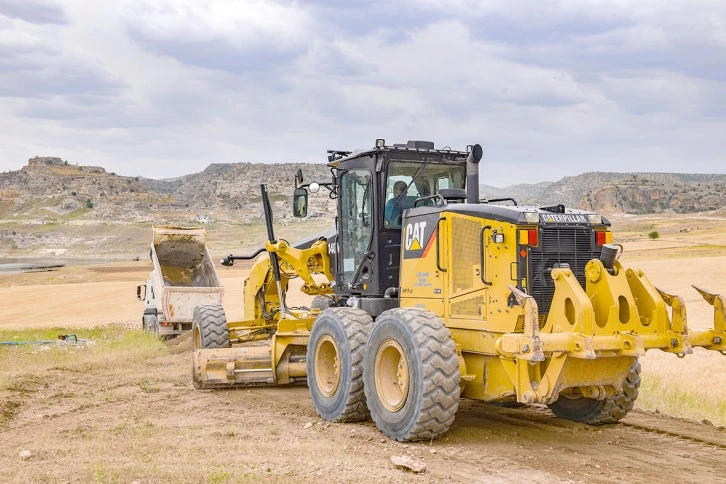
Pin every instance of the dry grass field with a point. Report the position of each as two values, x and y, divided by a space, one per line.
122 408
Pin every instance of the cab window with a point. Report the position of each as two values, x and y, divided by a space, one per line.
402 189
355 194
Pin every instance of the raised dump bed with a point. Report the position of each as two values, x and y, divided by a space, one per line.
183 278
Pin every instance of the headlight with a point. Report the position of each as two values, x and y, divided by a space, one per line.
594 218
531 217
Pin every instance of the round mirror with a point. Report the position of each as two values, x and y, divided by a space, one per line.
313 187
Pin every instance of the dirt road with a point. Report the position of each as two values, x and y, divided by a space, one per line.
143 421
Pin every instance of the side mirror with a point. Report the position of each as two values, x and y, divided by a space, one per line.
141 292
300 203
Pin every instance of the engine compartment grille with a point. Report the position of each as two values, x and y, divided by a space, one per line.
559 245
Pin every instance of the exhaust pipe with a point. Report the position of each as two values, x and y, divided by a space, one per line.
472 174
610 253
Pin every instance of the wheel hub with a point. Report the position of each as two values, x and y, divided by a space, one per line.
391 375
197 339
327 366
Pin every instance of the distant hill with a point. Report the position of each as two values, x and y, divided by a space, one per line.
636 193
49 189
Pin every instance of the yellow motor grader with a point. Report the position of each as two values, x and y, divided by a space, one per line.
425 294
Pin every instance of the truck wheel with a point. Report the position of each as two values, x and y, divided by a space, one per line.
209 327
321 302
599 412
335 364
411 375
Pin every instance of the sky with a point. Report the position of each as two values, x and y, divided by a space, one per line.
162 88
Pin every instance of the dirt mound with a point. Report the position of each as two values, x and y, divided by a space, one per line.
180 344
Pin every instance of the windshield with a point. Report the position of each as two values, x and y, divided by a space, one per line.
430 178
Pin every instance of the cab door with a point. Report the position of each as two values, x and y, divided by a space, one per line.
356 228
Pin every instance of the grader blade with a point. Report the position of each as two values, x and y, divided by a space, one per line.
230 367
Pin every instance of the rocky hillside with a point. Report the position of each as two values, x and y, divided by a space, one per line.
49 189
636 193
237 185
646 193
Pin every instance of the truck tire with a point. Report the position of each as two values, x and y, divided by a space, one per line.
411 375
335 364
321 302
599 412
209 327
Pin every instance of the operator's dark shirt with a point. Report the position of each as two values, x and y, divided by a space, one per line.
393 214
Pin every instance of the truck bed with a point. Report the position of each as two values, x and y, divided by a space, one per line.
184 275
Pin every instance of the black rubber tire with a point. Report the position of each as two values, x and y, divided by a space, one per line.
349 328
433 368
321 302
599 412
209 327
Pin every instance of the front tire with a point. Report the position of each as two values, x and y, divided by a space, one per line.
335 364
599 412
411 375
209 327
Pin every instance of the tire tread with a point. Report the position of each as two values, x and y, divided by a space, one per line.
212 325
357 325
440 363
618 406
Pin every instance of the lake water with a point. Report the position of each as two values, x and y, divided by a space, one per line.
14 265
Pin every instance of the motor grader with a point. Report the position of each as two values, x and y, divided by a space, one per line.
425 294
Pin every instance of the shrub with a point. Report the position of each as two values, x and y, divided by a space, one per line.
654 235
89 203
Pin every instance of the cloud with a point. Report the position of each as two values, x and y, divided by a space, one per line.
233 36
33 11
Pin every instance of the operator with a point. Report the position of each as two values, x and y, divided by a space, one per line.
394 207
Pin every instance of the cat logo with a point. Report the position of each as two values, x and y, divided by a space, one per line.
415 234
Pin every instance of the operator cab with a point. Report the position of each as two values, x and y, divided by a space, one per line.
373 189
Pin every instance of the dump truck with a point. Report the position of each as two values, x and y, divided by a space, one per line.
183 277
425 294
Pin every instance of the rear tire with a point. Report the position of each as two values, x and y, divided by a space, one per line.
599 412
335 364
209 328
411 375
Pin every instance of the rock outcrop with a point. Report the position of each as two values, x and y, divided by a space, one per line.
645 193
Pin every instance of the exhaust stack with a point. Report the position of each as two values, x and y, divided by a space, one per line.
472 174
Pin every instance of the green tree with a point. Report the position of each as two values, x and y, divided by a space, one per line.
654 235
89 203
